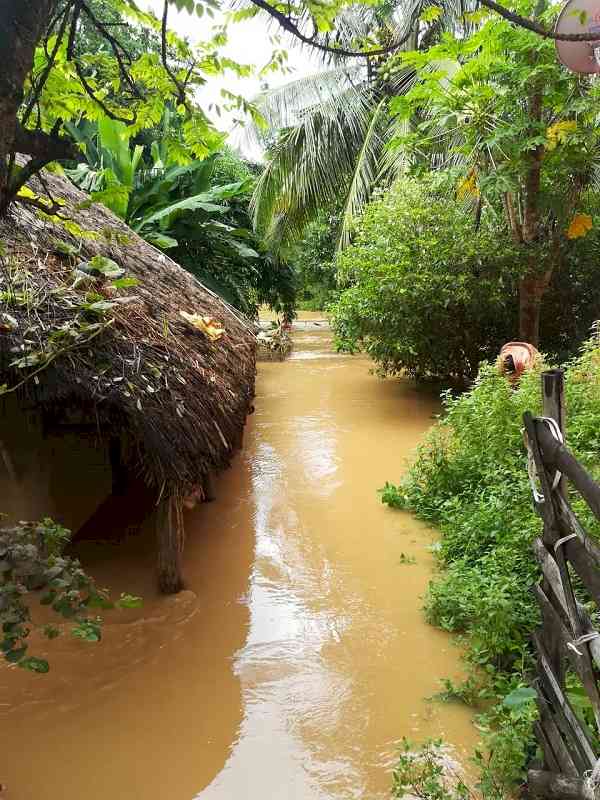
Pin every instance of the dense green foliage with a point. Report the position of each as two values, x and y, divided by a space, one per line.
313 261
432 295
196 209
499 104
429 294
469 480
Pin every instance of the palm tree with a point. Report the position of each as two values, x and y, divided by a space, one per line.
333 128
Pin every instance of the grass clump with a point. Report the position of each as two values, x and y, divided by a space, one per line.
469 479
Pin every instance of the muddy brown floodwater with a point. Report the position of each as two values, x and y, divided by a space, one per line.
297 658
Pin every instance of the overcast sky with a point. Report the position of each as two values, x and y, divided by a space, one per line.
249 43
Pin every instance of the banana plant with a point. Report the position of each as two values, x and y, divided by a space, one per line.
111 167
184 208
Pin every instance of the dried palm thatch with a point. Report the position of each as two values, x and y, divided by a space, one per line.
110 341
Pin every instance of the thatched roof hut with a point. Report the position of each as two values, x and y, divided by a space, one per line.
88 344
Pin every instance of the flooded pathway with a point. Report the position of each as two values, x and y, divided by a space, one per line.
298 656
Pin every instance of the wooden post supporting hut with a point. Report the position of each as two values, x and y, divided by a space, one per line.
170 538
567 640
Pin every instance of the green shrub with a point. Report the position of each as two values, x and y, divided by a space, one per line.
469 479
313 261
429 295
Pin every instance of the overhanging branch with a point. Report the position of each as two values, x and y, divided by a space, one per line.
523 22
288 25
534 27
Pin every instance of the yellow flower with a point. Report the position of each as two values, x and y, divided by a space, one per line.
559 133
580 225
468 187
209 326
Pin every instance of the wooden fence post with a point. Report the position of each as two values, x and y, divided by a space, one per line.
566 638
553 405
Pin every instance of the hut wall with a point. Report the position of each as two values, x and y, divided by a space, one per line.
64 477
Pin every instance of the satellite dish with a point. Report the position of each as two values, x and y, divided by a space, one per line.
580 16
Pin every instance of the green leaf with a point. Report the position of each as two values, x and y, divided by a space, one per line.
124 283
51 631
106 266
88 631
14 656
100 306
195 203
431 14
65 248
35 664
129 601
161 240
519 697
98 601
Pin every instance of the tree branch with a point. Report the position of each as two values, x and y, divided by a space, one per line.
48 146
534 27
118 50
52 209
523 22
292 28
165 61
90 92
39 85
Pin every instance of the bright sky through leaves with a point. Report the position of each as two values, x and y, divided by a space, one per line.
249 43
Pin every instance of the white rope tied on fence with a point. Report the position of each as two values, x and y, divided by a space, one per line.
591 781
584 639
531 469
564 540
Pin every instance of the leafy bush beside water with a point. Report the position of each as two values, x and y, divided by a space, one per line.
469 480
429 294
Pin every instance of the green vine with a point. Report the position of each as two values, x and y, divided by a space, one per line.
32 565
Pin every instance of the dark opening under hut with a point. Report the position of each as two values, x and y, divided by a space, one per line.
124 383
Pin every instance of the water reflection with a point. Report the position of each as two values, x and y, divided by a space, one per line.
299 654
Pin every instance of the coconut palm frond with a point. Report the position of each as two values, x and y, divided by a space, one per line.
311 165
282 107
366 170
394 159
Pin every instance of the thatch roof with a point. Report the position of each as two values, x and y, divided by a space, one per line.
178 399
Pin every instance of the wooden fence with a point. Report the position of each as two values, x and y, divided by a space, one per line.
566 639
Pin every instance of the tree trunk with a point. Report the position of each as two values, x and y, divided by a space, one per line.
531 292
22 26
533 284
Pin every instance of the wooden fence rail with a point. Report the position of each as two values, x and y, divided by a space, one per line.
567 639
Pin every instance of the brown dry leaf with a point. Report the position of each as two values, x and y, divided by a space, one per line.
208 325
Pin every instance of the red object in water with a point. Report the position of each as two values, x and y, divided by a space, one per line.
517 357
